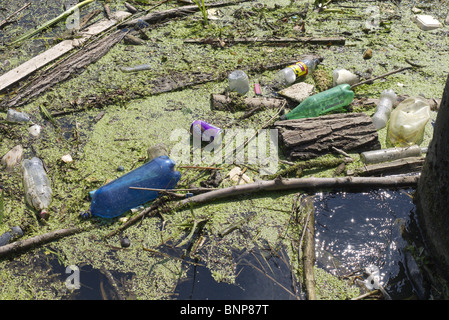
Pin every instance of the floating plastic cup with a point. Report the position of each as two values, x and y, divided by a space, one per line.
204 131
239 82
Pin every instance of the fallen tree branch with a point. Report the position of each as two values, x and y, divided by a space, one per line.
25 244
304 184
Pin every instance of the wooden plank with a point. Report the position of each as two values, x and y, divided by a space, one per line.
41 60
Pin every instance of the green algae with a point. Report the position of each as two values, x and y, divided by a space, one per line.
128 128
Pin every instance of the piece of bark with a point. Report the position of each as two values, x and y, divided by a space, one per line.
228 103
312 137
406 165
73 65
27 68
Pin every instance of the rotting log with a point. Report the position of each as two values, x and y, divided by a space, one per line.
312 137
432 196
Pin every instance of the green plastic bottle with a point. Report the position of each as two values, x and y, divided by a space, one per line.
321 103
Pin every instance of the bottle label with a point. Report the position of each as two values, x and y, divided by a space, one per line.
299 68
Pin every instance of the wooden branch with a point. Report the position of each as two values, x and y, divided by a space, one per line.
327 41
25 244
155 17
380 77
305 184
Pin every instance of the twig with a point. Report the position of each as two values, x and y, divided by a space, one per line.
381 76
6 20
21 245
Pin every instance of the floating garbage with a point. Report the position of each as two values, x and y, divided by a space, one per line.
321 103
17 116
128 191
204 131
383 109
238 81
13 157
139 67
38 191
238 176
408 121
426 22
297 71
298 92
35 130
341 76
156 151
390 154
8 236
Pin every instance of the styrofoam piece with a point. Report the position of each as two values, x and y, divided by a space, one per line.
426 22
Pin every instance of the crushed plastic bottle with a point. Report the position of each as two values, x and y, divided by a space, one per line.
17 116
321 103
38 191
297 71
383 109
408 121
116 197
8 236
239 82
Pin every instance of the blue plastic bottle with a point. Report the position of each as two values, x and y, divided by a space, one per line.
116 197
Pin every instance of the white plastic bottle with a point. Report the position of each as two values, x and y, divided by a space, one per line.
383 109
38 191
296 71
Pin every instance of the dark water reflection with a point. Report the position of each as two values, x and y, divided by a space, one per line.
357 230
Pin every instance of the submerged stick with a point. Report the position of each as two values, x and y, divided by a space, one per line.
50 23
8 18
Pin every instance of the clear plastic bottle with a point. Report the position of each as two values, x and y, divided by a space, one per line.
10 235
17 116
322 103
297 71
116 197
37 186
383 109
238 81
408 121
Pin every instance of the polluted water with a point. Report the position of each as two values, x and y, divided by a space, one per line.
356 231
